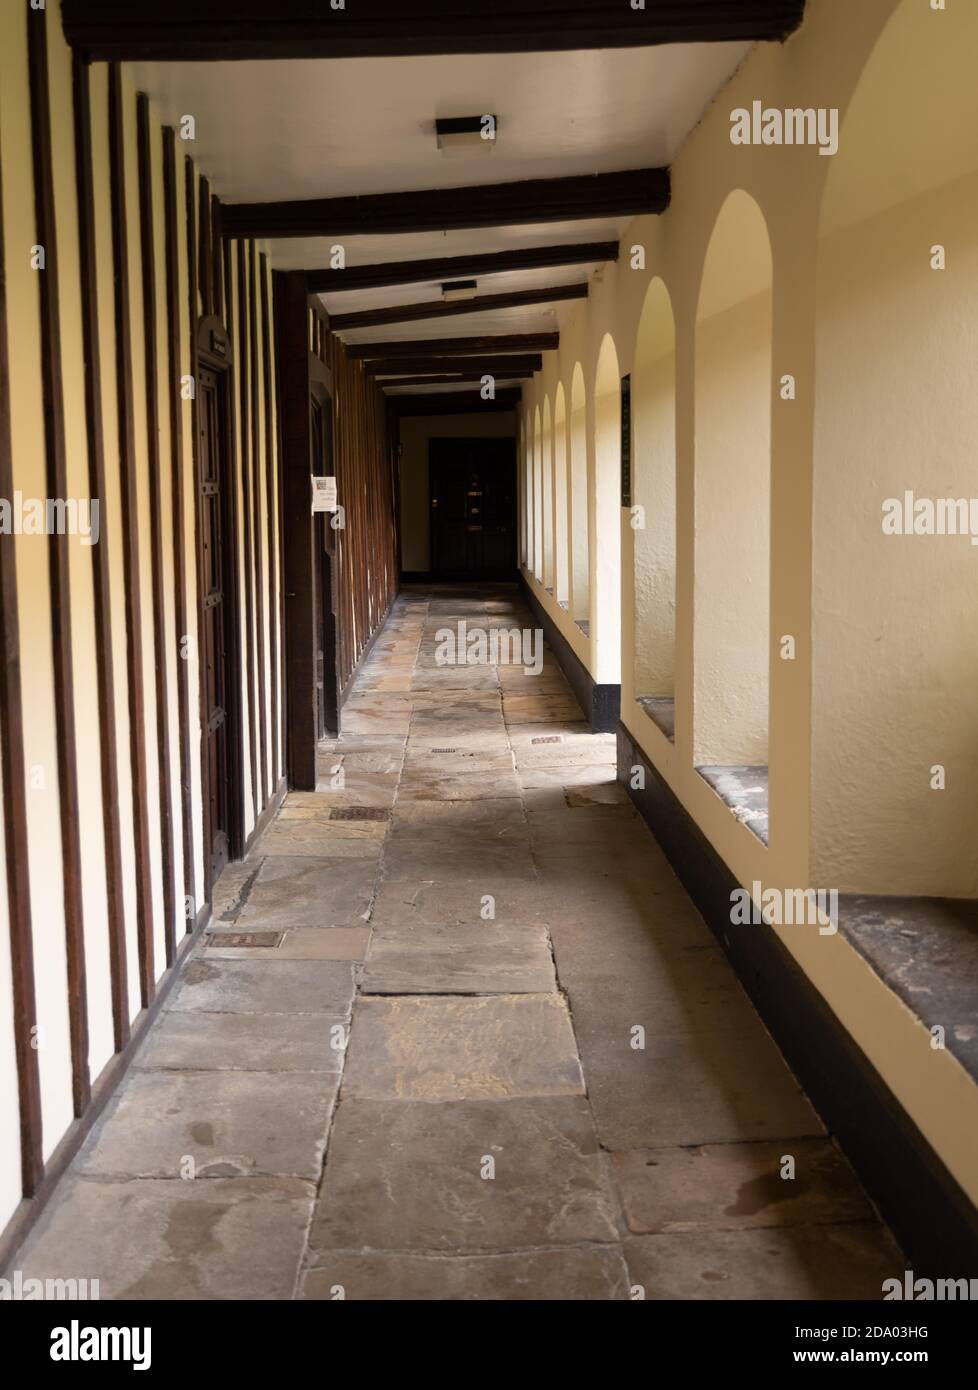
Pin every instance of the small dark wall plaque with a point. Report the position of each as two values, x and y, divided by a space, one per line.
626 441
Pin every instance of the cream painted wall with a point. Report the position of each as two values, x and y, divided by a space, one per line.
41 793
416 433
820 66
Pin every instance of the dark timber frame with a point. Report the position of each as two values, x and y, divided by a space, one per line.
147 240
14 787
130 539
292 337
195 30
520 364
438 309
619 194
57 487
364 277
458 347
105 663
174 321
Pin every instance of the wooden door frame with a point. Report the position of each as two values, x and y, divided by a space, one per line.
214 351
321 391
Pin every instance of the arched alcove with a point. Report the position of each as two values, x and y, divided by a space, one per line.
606 566
537 495
547 468
733 391
895 626
580 567
652 528
561 507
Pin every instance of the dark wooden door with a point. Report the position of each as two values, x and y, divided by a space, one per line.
216 647
473 507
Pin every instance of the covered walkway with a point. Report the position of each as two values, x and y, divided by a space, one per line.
458 1032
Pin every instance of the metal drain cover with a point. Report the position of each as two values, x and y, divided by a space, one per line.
360 813
244 938
548 738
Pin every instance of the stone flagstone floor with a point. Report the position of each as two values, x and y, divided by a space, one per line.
428 1084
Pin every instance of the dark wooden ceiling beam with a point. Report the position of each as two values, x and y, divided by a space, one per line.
437 271
455 402
457 347
624 193
521 365
202 30
449 379
444 309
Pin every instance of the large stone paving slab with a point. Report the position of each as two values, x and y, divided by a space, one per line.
415 1176
732 1187
483 959
458 902
194 1041
266 987
712 1087
234 1239
803 1262
304 891
558 1275
438 1049
229 1123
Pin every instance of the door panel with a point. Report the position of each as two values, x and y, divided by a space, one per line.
473 507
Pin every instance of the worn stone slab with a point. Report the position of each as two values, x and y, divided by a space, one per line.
300 943
472 788
560 1275
485 959
213 1239
733 1187
303 891
456 901
196 1041
265 987
494 864
230 1123
717 1086
799 1262
313 837
438 1049
409 1175
455 815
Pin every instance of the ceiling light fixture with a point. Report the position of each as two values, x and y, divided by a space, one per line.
459 289
466 134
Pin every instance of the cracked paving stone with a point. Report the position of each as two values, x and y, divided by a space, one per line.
437 1049
484 959
453 902
409 1176
157 1239
309 892
231 1123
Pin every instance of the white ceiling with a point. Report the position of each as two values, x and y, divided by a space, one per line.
324 128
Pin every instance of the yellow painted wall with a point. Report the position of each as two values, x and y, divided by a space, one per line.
41 793
882 352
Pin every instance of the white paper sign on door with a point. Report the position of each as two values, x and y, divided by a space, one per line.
324 494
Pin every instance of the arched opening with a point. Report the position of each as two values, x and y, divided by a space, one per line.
652 529
547 466
537 496
894 649
731 642
606 600
580 565
561 500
